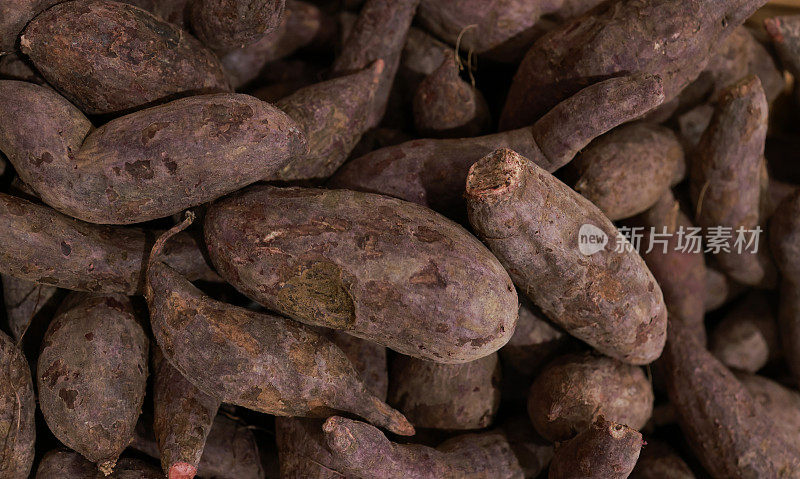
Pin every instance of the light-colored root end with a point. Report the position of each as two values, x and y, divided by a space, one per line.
339 436
107 467
181 470
495 175
382 415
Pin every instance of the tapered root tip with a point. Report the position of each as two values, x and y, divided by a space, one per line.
773 28
495 175
181 470
106 467
339 436
382 415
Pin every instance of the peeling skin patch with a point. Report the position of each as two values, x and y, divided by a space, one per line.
68 396
140 169
318 295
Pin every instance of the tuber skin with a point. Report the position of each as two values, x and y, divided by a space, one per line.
258 361
725 177
226 24
445 106
365 452
532 451
63 463
422 55
730 433
671 38
92 375
363 263
39 245
146 165
785 34
626 171
747 337
531 222
432 172
17 411
182 418
378 33
333 116
785 241
572 391
136 58
782 403
24 300
446 396
301 25
14 15
605 450
659 461
720 289
13 67
535 341
368 358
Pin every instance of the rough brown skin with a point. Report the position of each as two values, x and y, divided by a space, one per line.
785 34
659 461
671 38
14 15
533 452
681 274
782 403
17 409
572 391
12 67
445 106
368 358
226 24
531 221
24 300
92 375
38 244
258 361
182 419
146 165
535 341
135 58
301 25
626 171
63 463
725 177
378 268
379 33
446 396
432 172
747 338
365 452
730 433
605 450
785 241
333 116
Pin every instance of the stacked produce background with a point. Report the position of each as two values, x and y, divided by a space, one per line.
399 239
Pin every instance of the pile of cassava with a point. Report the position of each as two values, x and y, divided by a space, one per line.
412 239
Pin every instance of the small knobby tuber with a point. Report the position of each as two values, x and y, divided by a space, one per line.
226 24
785 34
364 451
573 390
376 267
532 223
606 450
17 410
92 375
109 57
747 337
446 396
258 361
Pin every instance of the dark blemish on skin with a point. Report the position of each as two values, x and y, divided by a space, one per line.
89 336
65 248
68 396
141 170
171 166
45 158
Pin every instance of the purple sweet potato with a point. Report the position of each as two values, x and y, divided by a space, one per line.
725 177
534 343
446 396
227 24
92 376
605 450
730 433
573 390
626 171
785 34
432 172
135 57
422 55
146 165
63 463
532 222
445 106
747 337
302 24
378 268
333 115
17 409
659 461
379 33
182 418
24 300
258 361
780 402
14 15
38 244
365 452
533 451
671 38
368 358
785 241
12 67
